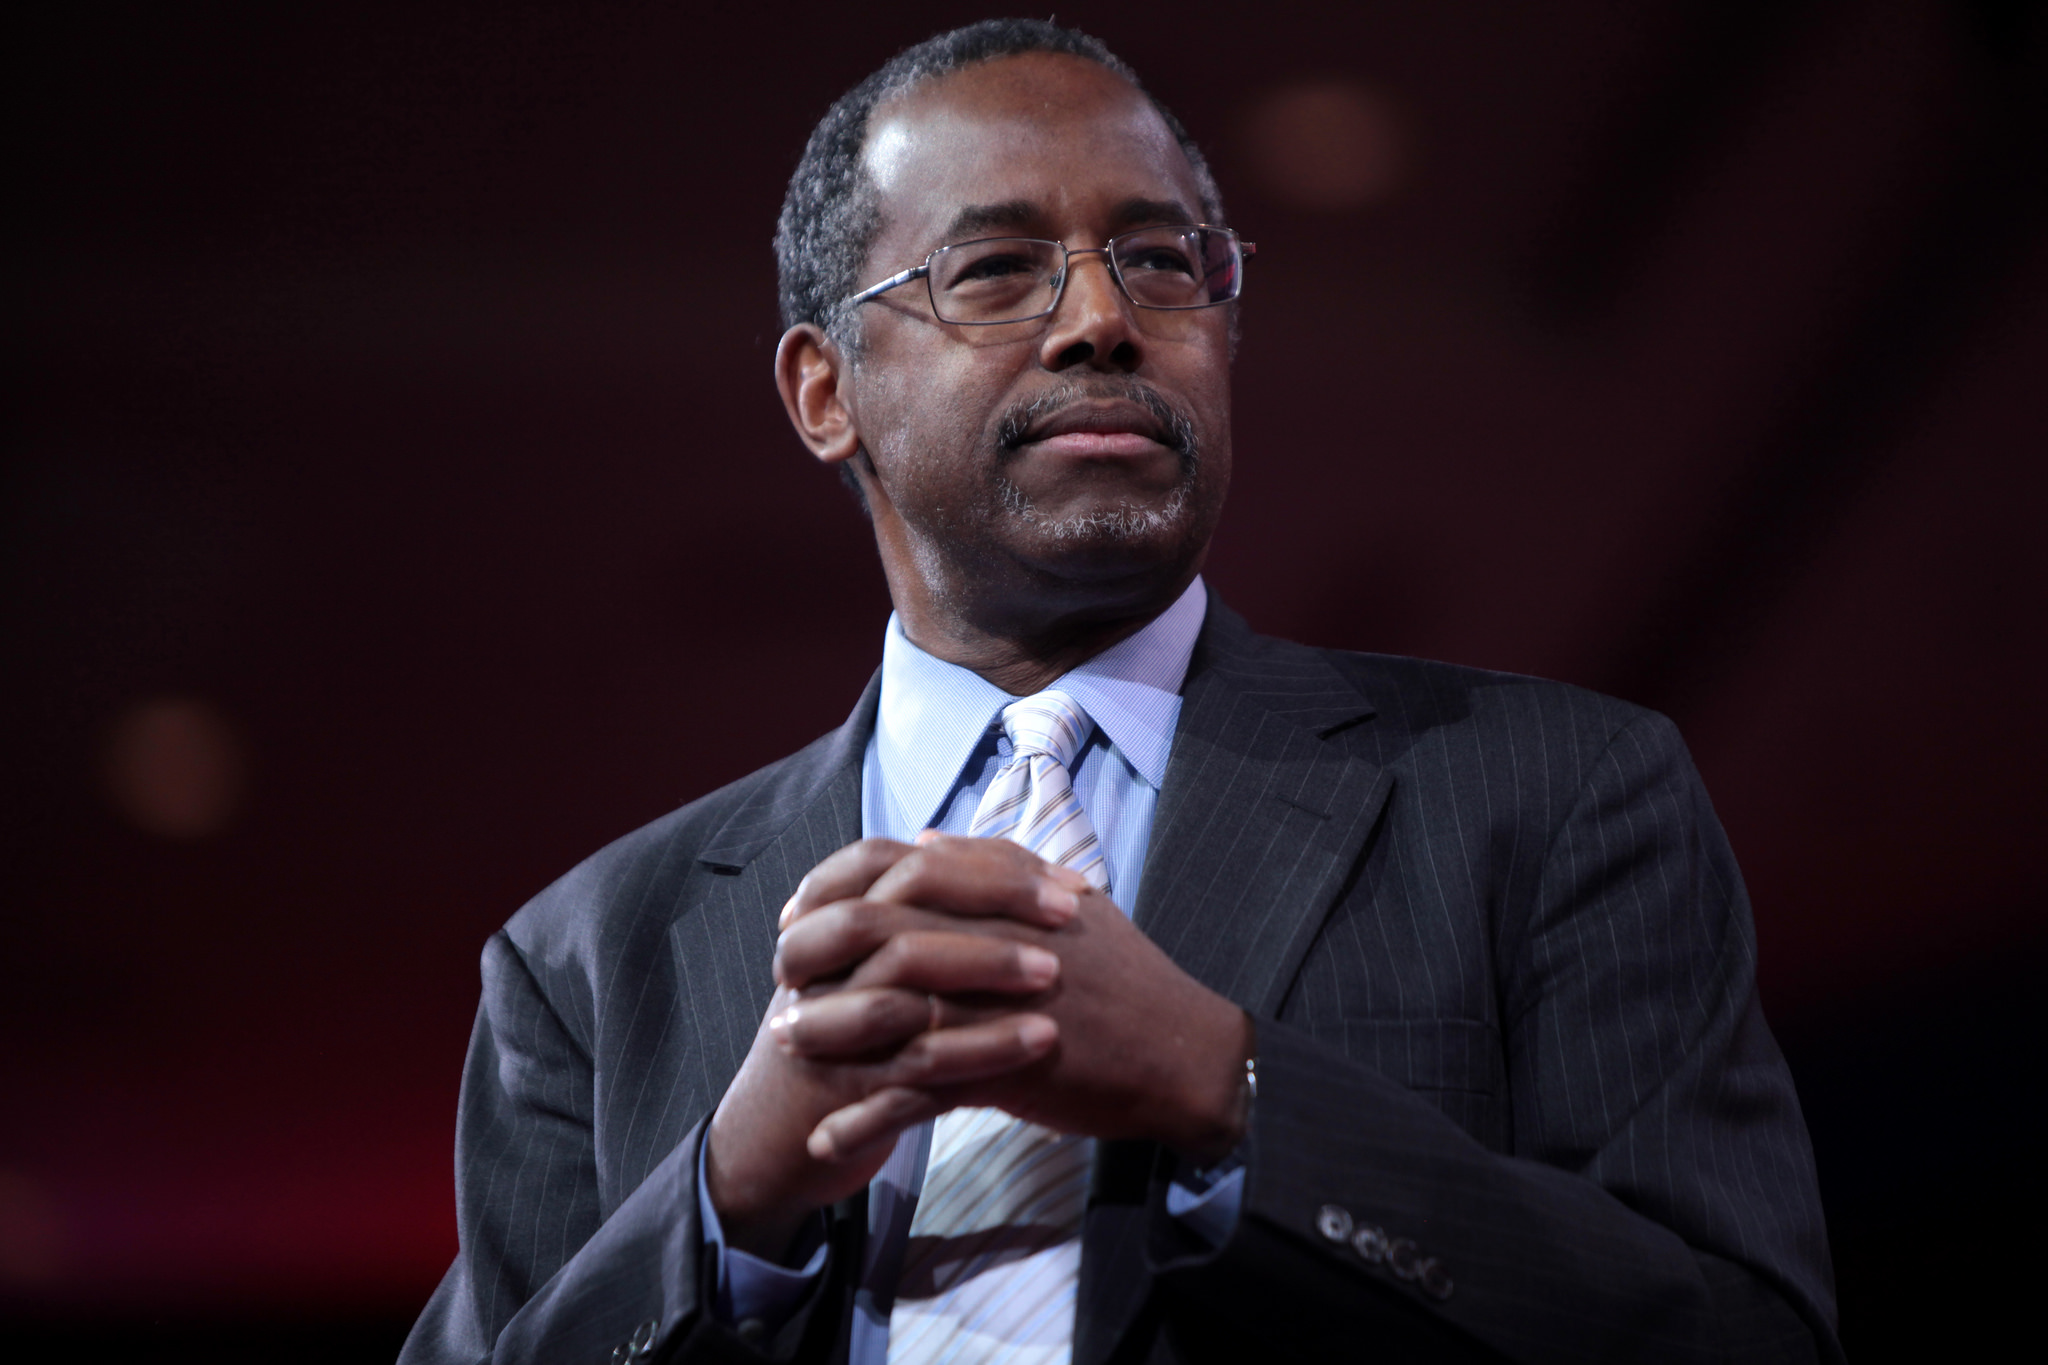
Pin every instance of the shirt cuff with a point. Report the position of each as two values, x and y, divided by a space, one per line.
1210 1214
749 1287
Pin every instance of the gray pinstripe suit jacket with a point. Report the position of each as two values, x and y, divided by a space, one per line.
1504 968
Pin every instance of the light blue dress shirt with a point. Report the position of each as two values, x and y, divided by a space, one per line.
938 743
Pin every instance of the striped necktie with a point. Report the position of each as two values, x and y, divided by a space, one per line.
995 1244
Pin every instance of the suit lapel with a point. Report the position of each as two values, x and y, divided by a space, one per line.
803 809
1262 818
1258 828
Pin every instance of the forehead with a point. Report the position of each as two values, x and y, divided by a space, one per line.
1054 144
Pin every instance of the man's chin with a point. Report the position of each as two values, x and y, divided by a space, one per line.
1129 524
1110 527
1114 542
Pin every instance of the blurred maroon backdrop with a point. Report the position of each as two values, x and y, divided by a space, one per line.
392 415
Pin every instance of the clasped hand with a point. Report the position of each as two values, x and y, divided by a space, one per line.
913 979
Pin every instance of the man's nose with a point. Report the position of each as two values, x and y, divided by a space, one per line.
1092 324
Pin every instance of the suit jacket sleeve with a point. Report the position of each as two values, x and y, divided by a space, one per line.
543 1274
1657 1201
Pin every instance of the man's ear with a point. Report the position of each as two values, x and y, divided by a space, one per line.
809 372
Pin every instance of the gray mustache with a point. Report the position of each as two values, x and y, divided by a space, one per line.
1179 428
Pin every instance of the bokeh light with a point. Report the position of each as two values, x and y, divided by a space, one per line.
177 768
32 1236
1327 145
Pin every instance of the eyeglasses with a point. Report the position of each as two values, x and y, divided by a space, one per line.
1017 279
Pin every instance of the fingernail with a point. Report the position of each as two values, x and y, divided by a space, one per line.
1057 901
820 1145
1074 880
1039 966
788 910
1037 1033
783 1020
925 836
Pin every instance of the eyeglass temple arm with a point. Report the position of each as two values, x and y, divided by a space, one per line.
874 291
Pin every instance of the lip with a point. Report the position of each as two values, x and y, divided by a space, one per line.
1112 428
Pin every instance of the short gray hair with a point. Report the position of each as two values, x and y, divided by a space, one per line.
830 215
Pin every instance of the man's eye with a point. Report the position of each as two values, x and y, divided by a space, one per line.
994 268
1161 259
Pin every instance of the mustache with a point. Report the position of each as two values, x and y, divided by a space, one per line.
1177 428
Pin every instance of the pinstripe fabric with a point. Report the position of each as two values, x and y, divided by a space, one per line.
994 1252
1505 972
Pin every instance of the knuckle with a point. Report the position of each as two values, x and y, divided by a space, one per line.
881 1009
862 921
923 959
913 943
916 1062
876 851
913 872
894 954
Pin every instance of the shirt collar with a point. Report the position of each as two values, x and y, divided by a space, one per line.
932 714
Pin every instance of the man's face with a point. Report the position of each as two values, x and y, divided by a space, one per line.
1080 451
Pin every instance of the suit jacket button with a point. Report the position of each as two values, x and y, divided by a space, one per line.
1371 1244
1404 1258
751 1330
1334 1223
638 1346
1435 1281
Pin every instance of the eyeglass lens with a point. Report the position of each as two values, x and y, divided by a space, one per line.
1011 279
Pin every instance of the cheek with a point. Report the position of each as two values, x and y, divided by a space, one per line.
1200 374
937 407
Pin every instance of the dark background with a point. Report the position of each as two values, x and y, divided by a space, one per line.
395 486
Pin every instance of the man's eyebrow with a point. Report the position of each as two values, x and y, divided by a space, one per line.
1146 212
978 220
981 220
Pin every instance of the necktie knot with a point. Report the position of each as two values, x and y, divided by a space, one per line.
1031 801
1048 722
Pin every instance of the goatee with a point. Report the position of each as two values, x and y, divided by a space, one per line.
1108 525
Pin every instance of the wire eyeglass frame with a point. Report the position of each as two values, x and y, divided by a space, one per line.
1236 246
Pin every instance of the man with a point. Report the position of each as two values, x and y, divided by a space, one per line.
1142 989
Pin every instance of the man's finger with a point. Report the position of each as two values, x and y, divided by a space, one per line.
859 1025
845 874
916 1085
953 963
830 940
972 1052
982 877
854 1024
899 945
858 1128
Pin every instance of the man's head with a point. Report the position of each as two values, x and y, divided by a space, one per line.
1027 473
829 215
